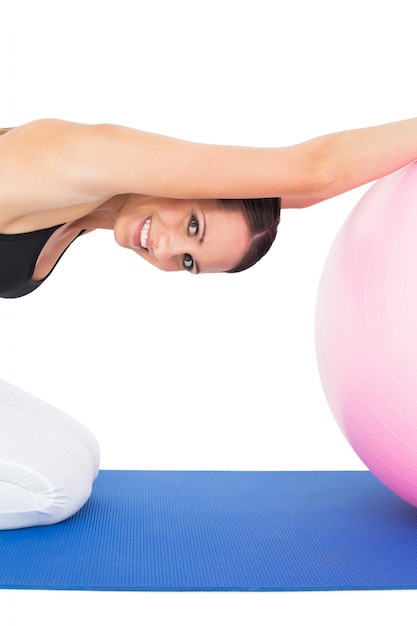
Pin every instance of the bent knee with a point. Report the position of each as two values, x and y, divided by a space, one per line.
31 495
48 461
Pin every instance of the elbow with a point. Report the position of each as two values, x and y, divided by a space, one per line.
327 183
325 167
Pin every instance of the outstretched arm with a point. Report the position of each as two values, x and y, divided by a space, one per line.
63 163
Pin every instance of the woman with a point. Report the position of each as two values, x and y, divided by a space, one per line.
160 197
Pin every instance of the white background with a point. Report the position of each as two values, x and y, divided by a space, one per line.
172 371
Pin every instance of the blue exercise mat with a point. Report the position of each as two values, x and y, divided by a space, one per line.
222 531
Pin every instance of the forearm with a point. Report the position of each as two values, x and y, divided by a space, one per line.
356 157
352 158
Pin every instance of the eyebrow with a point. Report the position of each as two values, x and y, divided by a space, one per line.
201 240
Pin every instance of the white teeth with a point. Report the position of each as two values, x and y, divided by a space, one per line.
144 233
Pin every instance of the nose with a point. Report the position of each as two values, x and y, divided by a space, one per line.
164 247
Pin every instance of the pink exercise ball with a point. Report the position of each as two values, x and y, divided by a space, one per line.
366 331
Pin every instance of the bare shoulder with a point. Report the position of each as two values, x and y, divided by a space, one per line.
40 170
47 164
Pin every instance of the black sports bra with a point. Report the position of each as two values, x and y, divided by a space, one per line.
18 256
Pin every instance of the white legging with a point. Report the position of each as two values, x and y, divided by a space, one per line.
48 461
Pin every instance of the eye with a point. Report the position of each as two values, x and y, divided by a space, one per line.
193 226
188 262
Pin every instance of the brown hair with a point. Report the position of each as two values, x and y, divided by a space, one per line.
262 216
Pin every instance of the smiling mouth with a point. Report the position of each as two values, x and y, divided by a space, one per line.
144 233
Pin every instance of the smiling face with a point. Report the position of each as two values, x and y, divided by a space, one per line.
194 235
